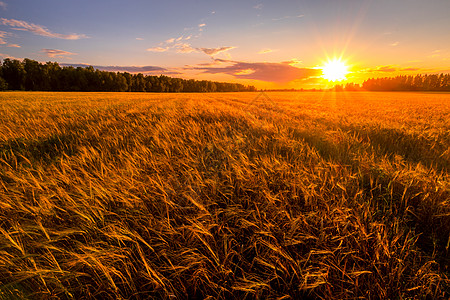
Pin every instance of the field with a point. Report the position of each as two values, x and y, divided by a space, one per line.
177 196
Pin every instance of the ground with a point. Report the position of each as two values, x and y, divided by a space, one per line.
134 195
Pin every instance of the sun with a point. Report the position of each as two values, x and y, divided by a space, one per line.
335 70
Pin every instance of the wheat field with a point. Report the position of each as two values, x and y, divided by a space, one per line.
224 196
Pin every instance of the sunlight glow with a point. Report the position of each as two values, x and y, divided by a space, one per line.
335 70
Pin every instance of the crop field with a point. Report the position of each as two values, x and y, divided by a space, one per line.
224 196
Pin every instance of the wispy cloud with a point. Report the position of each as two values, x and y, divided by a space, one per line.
3 56
214 51
435 53
258 6
270 72
130 69
287 17
201 27
3 35
395 44
158 49
184 48
388 69
139 39
181 47
57 53
38 29
265 51
292 62
3 5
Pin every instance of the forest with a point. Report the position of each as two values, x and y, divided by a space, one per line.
431 83
31 75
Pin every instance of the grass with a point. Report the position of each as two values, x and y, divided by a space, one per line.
195 196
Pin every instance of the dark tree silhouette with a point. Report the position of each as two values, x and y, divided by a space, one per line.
419 82
31 75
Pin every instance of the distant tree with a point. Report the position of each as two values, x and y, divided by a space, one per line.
14 74
31 75
3 84
432 82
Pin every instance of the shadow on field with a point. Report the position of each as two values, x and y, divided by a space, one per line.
422 209
411 147
45 149
327 150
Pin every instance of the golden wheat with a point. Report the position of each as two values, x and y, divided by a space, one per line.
320 195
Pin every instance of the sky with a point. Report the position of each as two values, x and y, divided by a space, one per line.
269 44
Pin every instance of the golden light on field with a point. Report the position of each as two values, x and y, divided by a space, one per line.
335 70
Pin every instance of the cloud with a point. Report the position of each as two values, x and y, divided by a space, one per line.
265 51
139 39
435 53
158 49
57 53
292 62
410 69
38 29
288 17
202 25
270 72
214 51
129 69
3 56
3 35
259 6
395 44
3 5
187 48
184 48
388 69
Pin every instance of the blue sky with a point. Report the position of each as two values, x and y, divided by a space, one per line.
247 38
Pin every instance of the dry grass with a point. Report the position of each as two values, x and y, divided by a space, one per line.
321 196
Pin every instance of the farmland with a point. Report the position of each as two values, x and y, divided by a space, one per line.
175 196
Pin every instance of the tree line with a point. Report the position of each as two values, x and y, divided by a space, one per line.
419 82
433 82
31 75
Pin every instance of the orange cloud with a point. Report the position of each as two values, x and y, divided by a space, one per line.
187 48
57 53
214 51
184 48
3 35
158 49
269 72
265 51
388 69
